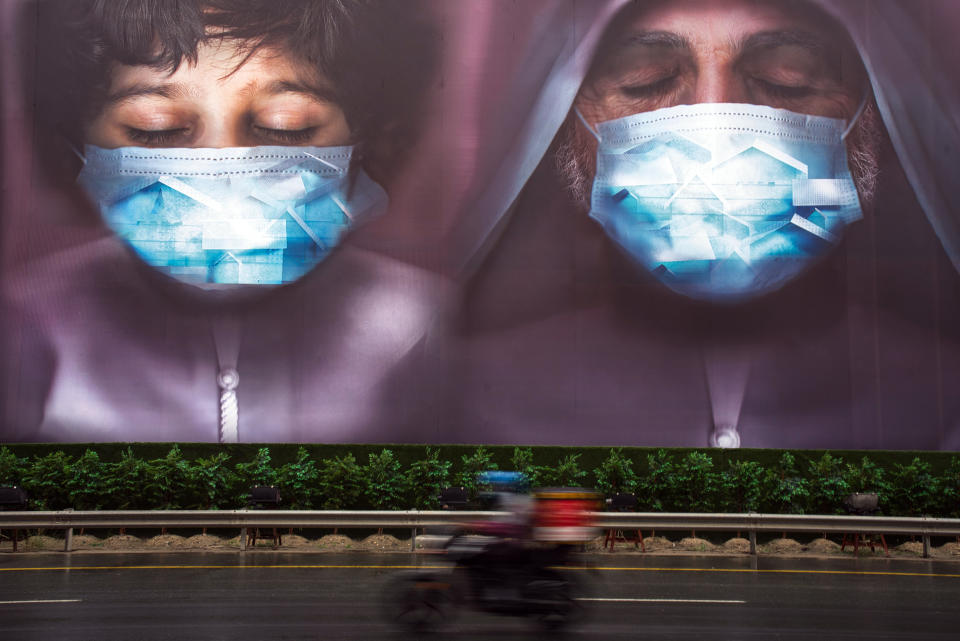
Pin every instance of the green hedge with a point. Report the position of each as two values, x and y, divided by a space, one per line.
209 476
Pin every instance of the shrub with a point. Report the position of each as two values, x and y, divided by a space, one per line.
256 473
658 488
696 483
133 485
57 480
522 461
785 492
866 477
948 499
46 481
168 480
741 485
471 465
828 486
13 469
615 474
385 485
213 483
341 483
426 478
566 473
299 482
86 482
913 489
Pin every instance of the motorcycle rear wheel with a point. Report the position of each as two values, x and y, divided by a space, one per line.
420 603
564 609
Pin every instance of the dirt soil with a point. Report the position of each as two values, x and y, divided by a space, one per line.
816 547
824 546
736 545
384 543
782 546
336 543
658 543
695 544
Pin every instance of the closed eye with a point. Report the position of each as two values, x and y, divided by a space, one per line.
285 136
651 90
786 92
156 137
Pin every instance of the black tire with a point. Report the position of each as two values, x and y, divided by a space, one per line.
564 609
419 602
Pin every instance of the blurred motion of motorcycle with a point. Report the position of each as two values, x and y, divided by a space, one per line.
512 565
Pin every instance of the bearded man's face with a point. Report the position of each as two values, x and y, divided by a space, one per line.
779 53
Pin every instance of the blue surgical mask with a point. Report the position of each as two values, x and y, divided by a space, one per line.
217 218
724 202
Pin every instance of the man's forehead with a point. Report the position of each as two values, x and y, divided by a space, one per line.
719 23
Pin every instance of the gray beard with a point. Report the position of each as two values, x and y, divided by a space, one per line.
575 157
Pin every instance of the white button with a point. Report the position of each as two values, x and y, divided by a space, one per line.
725 436
228 378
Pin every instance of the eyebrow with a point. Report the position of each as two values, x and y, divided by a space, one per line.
761 40
316 91
665 39
817 46
169 90
174 90
752 44
773 39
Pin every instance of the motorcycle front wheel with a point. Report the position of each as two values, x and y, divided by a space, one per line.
557 605
419 602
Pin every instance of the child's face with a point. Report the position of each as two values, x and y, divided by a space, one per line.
270 99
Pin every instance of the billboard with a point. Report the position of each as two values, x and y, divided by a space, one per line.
683 223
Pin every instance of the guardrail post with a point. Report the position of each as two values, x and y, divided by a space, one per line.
753 542
926 546
243 539
68 536
413 539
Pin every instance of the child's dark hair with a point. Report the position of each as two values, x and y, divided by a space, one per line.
377 54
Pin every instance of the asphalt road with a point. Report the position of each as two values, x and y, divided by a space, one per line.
266 595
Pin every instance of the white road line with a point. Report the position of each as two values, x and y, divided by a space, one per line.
663 600
40 601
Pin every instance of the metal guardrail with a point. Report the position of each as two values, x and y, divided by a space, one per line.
244 519
752 523
237 518
780 523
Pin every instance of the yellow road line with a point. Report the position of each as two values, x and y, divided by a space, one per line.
434 567
850 572
224 567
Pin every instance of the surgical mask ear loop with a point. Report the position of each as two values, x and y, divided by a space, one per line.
61 133
72 147
856 115
587 124
77 152
353 169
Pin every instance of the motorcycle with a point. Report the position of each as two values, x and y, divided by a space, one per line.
490 575
499 568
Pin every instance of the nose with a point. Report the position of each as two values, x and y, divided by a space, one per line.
222 121
718 83
218 132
